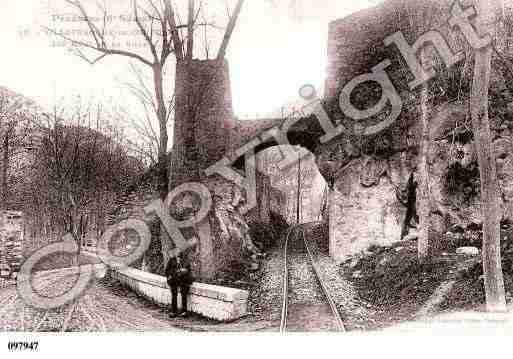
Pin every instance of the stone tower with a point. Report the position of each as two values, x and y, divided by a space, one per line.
203 119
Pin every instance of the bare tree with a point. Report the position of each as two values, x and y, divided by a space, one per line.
164 36
81 167
421 18
161 34
479 103
145 124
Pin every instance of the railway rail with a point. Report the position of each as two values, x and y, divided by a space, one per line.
308 314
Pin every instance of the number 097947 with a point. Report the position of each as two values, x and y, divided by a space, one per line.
22 346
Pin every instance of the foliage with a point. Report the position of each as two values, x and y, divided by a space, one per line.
388 276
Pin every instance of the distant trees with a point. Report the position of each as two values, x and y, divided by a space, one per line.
15 123
63 169
79 168
161 35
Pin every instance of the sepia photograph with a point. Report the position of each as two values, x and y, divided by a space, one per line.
332 169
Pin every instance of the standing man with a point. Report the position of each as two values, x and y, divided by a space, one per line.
178 274
411 205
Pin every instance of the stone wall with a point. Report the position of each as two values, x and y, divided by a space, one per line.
131 206
368 175
356 42
361 216
223 237
11 243
211 301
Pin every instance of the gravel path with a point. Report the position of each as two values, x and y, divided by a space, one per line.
104 307
304 287
308 308
355 312
266 297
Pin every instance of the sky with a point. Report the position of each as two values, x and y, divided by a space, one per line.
274 51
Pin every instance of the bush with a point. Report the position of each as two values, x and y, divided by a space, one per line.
263 235
388 276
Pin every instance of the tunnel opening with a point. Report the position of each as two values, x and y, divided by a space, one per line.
305 133
297 193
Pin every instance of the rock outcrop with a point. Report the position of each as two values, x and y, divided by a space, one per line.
368 175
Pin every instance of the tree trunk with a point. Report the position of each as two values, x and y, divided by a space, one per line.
5 167
163 178
423 192
493 277
229 30
190 31
298 208
163 166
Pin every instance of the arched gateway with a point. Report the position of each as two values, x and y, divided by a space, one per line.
367 176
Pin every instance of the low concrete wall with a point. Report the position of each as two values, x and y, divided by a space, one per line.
211 301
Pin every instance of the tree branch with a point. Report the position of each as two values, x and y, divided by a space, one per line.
105 51
145 33
170 16
190 31
229 30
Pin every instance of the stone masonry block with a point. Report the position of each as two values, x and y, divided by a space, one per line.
211 301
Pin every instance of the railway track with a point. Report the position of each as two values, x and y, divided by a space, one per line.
309 315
